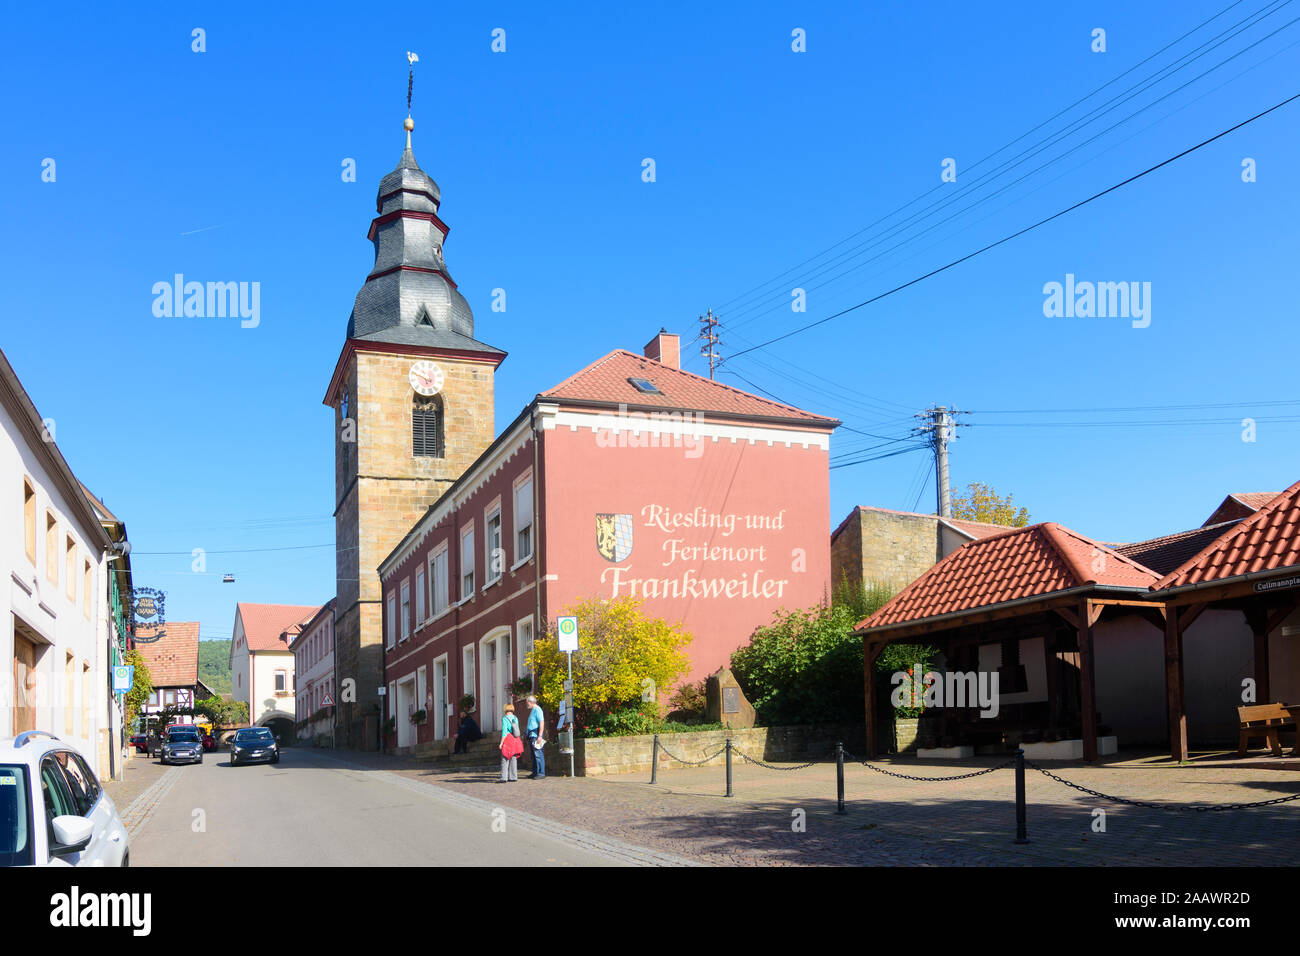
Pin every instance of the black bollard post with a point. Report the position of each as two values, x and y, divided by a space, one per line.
728 793
654 762
1021 835
839 775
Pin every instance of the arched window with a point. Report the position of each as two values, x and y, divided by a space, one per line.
426 427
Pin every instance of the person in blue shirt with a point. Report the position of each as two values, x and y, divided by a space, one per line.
536 736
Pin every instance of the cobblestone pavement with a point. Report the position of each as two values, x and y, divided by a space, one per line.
140 772
789 818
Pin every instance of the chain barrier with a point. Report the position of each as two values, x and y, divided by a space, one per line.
906 776
803 766
692 763
1177 807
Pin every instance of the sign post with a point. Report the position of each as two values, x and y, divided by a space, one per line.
568 631
328 701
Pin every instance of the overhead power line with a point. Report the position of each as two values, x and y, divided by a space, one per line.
1027 229
794 269
1007 165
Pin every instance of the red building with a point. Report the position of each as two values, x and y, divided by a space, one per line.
630 478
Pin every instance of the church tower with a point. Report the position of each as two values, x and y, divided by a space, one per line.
412 395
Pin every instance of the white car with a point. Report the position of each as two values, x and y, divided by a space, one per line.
53 810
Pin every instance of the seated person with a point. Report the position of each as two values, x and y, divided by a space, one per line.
466 733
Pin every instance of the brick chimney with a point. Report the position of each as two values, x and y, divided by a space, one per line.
666 348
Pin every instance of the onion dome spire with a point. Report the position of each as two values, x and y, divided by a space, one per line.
409 296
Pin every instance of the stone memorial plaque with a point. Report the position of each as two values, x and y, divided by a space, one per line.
731 700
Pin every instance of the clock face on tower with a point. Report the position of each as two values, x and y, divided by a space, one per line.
426 378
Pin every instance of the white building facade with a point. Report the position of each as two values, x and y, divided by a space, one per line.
313 653
61 633
262 663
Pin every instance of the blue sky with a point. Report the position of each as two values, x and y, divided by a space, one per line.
226 165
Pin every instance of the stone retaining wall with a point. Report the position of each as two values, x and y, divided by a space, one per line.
598 756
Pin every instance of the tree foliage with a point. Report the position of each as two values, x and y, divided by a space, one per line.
982 503
214 666
806 666
222 713
803 668
619 648
141 687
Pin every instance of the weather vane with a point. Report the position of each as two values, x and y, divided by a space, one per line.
412 59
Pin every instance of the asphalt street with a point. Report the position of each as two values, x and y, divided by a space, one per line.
312 810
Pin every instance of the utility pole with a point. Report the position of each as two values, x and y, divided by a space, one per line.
709 335
941 427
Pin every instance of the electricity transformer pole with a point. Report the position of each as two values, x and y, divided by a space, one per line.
941 427
709 336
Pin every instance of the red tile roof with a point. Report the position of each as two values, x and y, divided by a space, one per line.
173 659
1267 540
976 529
1019 563
606 381
265 623
1241 504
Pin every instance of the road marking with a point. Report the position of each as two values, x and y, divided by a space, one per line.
135 816
628 854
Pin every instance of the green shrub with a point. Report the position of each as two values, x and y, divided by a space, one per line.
620 720
806 666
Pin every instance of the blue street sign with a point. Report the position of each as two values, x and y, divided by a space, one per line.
123 678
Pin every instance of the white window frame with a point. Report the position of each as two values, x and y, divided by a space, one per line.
420 591
524 623
493 510
443 551
467 593
405 605
391 630
520 557
469 673
422 690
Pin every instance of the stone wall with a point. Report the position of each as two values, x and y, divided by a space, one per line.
597 756
846 550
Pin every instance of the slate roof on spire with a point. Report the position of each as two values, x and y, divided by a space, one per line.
409 298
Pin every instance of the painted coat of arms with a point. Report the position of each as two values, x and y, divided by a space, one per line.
614 536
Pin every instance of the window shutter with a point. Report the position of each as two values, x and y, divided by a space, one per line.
427 427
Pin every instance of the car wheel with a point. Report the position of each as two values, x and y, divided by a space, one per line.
200 758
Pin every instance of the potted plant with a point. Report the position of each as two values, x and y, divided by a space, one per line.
520 687
467 703
418 717
390 726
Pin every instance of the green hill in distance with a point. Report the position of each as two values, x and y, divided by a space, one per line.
214 665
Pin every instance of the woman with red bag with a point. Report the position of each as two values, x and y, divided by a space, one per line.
511 746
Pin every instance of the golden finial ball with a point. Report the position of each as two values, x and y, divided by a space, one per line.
408 124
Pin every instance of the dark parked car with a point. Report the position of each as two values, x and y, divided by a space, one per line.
183 745
253 744
141 743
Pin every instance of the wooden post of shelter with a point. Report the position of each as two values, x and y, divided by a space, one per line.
870 652
1088 614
